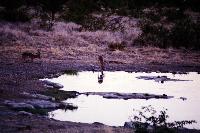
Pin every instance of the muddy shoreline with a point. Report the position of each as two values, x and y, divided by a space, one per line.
43 69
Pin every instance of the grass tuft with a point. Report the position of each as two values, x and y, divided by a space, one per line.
71 72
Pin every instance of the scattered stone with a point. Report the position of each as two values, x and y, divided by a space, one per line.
24 113
111 96
34 104
18 105
53 85
161 79
49 87
38 96
164 95
43 104
183 98
126 96
132 124
129 124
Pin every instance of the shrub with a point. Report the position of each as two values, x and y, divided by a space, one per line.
76 10
183 33
186 33
116 46
158 121
49 9
71 72
93 23
14 10
172 13
153 34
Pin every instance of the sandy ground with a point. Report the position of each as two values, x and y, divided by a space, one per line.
71 50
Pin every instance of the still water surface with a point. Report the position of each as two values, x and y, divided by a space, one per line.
115 112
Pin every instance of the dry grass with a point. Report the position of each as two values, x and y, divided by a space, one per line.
65 42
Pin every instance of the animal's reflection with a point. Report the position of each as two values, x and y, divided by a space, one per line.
100 77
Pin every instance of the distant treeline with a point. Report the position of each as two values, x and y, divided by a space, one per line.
185 31
14 10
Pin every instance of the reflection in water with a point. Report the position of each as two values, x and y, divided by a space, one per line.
100 77
115 112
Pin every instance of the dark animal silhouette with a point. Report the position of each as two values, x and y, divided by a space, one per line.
101 63
100 77
31 56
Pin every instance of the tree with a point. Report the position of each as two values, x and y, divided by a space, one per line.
11 10
51 7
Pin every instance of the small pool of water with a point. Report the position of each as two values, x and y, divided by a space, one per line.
115 112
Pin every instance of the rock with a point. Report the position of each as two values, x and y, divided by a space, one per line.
129 124
24 113
49 87
133 125
38 96
126 96
111 96
18 105
43 104
147 77
35 104
161 79
51 84
7 113
98 124
164 95
183 98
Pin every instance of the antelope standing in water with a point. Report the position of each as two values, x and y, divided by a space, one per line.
31 56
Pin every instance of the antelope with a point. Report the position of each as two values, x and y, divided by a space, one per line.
101 63
101 76
30 55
